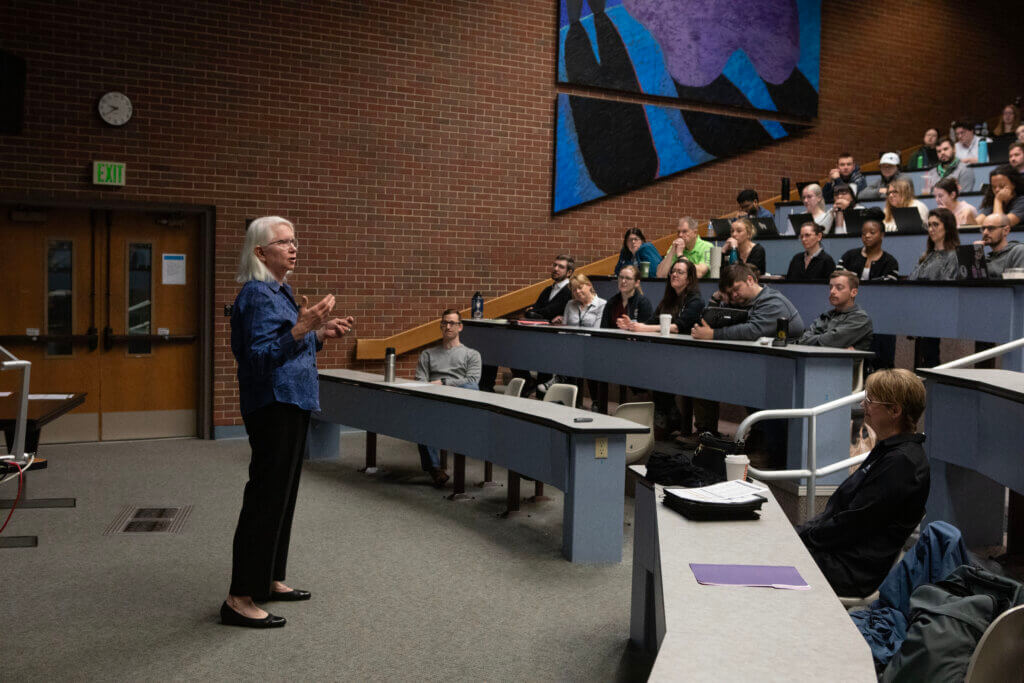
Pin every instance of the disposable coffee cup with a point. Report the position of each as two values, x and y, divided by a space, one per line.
645 268
736 467
665 320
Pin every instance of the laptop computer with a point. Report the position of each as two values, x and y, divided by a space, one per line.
765 227
908 220
800 186
999 149
722 228
854 220
718 316
798 219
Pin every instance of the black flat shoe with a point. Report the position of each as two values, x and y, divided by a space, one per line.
230 617
290 596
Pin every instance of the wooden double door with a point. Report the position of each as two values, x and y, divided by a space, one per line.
106 302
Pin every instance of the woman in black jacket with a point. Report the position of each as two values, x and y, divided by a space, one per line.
682 300
630 303
870 262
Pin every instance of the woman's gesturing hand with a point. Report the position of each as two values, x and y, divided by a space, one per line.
312 318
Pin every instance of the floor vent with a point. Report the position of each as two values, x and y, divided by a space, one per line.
149 519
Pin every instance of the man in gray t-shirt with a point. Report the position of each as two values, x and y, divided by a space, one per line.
450 364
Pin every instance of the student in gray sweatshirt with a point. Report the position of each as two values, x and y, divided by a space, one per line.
764 307
450 364
846 324
1005 254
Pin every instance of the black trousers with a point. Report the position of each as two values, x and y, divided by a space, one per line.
277 436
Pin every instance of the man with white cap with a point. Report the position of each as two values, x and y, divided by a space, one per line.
889 165
949 166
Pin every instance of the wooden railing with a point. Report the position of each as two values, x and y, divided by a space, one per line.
429 332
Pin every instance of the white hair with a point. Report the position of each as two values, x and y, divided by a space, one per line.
258 235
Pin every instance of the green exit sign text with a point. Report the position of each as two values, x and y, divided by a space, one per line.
108 173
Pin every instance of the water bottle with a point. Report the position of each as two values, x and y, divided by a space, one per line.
781 332
478 305
389 364
734 256
982 151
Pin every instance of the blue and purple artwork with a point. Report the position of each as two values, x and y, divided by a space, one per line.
756 56
606 147
753 55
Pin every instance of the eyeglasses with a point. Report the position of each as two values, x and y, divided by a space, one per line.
934 224
626 277
450 323
986 228
294 243
871 402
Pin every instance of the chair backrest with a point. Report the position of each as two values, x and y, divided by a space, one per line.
999 656
637 445
515 387
561 393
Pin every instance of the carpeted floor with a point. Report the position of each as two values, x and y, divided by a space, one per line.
406 585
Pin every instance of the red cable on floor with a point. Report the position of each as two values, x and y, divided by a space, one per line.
21 478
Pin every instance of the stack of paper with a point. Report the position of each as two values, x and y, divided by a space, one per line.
736 491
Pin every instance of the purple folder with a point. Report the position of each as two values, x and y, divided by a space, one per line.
748 575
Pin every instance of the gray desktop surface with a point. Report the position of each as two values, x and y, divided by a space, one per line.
728 633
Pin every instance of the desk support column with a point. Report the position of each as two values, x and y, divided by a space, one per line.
371 453
647 607
459 492
591 522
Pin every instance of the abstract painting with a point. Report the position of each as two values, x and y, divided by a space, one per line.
605 147
761 55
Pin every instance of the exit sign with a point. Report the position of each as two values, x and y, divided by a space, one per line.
108 173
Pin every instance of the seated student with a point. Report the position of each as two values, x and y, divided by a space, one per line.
859 534
551 302
765 306
681 300
949 167
750 206
938 262
901 194
585 309
1003 253
889 166
813 263
688 245
636 249
1005 194
1008 121
870 262
846 171
814 204
843 200
926 156
947 196
629 303
1020 133
966 142
847 325
452 364
1015 156
741 248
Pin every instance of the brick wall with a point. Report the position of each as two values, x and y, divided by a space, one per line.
411 141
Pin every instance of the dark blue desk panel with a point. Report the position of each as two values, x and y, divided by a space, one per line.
975 428
743 373
538 440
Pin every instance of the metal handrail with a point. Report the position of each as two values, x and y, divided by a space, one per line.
18 448
813 471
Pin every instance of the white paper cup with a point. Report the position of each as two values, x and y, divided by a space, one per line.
665 320
736 467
